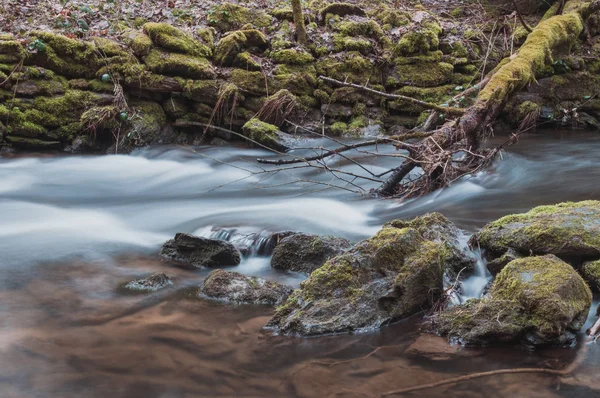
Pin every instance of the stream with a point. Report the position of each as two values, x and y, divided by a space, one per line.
75 227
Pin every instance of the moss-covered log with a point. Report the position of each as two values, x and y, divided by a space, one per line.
550 37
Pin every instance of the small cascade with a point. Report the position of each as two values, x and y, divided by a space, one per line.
249 241
474 285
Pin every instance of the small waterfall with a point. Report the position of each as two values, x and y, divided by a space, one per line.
249 241
474 285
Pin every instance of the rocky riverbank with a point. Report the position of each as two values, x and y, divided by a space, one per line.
239 73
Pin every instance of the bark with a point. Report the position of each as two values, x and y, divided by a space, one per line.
299 22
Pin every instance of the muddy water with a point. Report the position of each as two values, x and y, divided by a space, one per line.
74 228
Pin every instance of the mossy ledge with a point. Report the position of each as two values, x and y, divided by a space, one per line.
245 55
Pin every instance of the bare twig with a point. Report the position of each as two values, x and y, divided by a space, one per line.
427 105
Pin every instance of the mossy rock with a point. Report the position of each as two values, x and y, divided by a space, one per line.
11 51
33 143
69 57
175 107
205 91
305 253
421 40
236 288
351 66
359 27
239 41
245 60
568 230
346 43
591 274
264 134
390 276
139 42
536 301
175 64
420 75
292 57
252 82
173 39
145 124
229 16
341 9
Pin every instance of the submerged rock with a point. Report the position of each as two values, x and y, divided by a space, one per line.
236 288
151 283
533 300
196 252
390 276
567 230
306 253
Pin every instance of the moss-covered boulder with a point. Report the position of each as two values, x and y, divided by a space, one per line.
265 135
437 228
568 230
390 276
591 274
306 253
173 39
235 288
535 301
176 64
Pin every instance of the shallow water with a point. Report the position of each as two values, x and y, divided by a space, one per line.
74 228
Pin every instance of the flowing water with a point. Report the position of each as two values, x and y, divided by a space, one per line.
73 228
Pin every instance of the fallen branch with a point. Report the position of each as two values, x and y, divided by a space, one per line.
594 331
397 139
427 105
527 28
563 372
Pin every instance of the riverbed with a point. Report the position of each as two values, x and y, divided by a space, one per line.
76 227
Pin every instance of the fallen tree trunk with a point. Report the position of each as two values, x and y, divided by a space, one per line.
435 154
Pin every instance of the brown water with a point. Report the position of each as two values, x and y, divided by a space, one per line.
76 228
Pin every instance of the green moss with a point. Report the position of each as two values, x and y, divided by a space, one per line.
421 75
341 9
261 132
345 43
235 42
535 55
350 66
353 28
139 42
291 57
245 60
69 57
100 86
338 129
63 105
591 273
432 56
423 40
11 51
560 229
173 39
322 96
229 16
159 61
251 82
